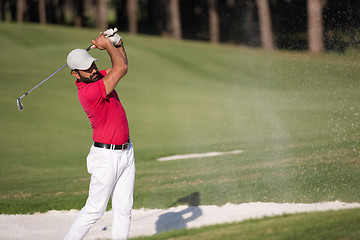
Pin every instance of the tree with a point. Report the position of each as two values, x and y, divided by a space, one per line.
250 24
2 11
132 8
77 7
20 9
42 11
56 12
101 16
267 39
175 21
213 21
160 16
315 25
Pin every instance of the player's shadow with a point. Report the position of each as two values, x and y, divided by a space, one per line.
178 220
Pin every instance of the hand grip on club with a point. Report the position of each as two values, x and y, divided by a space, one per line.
92 46
18 101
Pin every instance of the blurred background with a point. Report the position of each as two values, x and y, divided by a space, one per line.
311 25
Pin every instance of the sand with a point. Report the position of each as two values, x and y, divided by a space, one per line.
54 224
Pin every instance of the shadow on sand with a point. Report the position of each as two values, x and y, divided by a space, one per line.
178 220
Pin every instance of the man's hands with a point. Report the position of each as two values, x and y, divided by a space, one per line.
112 35
101 42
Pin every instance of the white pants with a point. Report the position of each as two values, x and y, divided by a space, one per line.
112 174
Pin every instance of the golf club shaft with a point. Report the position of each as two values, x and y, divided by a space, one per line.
87 49
42 81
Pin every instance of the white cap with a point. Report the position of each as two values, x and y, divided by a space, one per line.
79 59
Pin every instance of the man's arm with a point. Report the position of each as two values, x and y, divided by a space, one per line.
120 47
118 60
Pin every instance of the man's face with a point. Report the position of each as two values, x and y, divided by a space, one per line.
88 76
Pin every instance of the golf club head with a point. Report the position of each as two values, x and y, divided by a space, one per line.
19 104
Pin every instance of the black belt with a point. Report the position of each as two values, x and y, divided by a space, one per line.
112 146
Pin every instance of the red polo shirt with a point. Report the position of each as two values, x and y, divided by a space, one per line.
106 114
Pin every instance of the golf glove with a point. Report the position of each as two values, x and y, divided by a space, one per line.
112 35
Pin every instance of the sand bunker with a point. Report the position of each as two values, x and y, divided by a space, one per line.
54 224
197 155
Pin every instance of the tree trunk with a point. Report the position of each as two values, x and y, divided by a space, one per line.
101 16
20 8
42 11
315 25
78 12
132 8
56 11
61 17
2 11
161 17
267 39
214 22
175 22
251 25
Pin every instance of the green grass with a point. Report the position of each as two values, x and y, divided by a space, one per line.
297 117
330 225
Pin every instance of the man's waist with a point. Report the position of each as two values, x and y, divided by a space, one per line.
112 146
110 136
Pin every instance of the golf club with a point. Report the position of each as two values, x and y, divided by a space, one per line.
18 101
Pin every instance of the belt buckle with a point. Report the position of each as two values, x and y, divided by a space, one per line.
124 146
127 144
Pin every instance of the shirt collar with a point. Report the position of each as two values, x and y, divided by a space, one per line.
80 84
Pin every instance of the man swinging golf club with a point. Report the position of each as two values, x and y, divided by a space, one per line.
111 160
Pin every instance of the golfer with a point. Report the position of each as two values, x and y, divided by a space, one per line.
111 161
